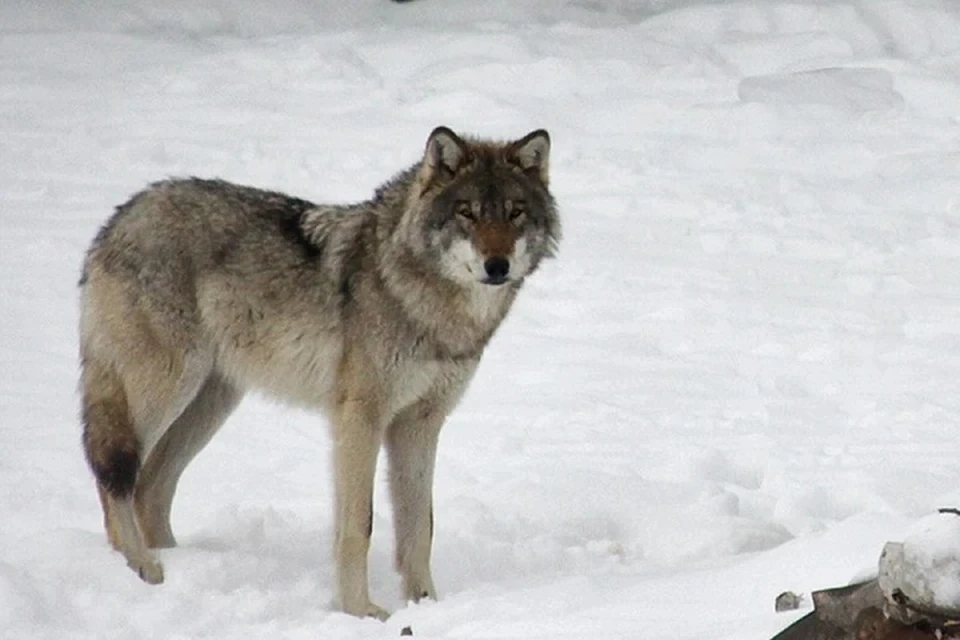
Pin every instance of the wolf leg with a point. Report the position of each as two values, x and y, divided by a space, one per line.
181 442
138 556
411 450
133 388
113 536
357 436
113 451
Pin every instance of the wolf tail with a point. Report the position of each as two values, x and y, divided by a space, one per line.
109 440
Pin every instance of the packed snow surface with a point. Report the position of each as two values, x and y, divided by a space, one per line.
741 376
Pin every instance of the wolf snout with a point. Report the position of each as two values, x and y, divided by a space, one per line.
497 269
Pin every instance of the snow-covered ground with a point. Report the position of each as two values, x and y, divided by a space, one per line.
741 376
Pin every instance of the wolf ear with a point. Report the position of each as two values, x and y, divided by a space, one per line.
532 153
445 153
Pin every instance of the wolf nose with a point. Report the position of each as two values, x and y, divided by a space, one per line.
497 268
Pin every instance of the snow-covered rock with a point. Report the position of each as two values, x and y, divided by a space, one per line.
925 567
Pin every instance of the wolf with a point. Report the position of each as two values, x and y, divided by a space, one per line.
375 314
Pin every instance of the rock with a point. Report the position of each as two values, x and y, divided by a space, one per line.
924 570
787 601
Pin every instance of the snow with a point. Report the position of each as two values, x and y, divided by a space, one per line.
926 565
740 376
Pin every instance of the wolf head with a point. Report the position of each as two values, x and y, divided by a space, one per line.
484 213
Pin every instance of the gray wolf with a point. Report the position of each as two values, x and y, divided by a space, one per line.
377 313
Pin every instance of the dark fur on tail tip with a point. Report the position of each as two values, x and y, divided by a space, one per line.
113 453
118 475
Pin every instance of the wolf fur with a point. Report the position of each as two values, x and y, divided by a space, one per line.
376 313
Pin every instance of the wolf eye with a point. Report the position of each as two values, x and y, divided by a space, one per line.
517 210
463 209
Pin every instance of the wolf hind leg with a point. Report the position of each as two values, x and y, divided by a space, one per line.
113 452
182 441
113 536
130 399
132 546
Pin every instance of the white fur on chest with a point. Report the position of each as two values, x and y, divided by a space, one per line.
411 382
486 303
415 380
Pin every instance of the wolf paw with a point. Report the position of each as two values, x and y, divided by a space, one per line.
420 590
368 610
373 611
150 571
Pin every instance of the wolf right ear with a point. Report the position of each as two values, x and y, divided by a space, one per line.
444 154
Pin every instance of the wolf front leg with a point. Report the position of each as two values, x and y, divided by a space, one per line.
411 449
357 440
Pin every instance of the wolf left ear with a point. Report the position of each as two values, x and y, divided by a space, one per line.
532 153
445 152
